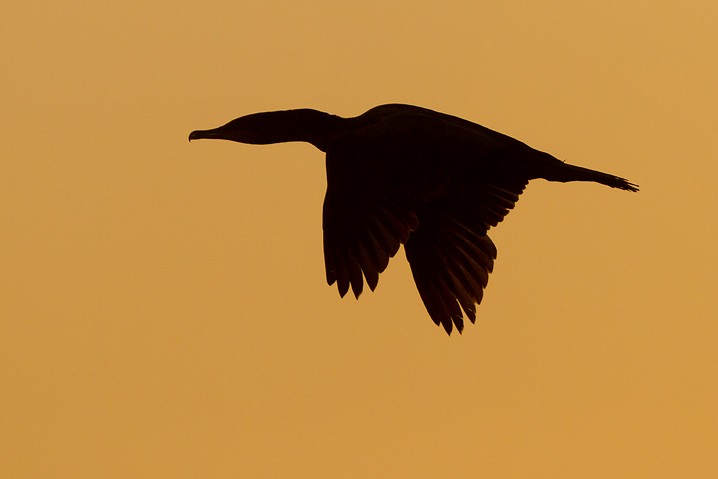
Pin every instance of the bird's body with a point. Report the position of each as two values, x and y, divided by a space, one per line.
401 174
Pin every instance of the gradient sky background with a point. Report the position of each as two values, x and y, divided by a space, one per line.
163 308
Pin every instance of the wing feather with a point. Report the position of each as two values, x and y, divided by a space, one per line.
450 253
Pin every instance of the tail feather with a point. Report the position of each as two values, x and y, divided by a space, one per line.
553 169
578 173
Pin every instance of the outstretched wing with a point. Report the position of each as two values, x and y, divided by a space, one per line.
363 225
450 253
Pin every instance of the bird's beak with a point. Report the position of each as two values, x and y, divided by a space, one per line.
200 134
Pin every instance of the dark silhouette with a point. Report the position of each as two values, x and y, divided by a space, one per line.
401 174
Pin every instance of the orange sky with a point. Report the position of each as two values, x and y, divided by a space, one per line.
163 307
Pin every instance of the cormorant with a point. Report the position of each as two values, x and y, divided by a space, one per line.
402 174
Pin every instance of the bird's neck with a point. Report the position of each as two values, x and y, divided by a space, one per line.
311 126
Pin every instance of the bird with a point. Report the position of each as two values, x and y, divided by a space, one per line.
406 175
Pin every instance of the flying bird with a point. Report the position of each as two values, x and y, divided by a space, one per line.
406 175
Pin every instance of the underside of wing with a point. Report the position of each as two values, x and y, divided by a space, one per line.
359 238
450 253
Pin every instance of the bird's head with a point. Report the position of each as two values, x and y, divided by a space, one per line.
275 127
258 129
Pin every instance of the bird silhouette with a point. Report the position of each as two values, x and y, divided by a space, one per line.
402 174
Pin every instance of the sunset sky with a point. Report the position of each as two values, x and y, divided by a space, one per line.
163 305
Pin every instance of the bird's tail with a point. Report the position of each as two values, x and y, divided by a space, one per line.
578 173
556 170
